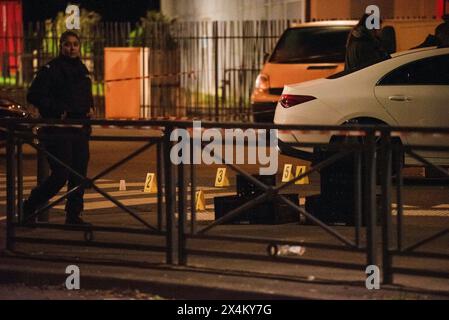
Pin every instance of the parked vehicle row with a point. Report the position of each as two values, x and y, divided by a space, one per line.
316 50
410 89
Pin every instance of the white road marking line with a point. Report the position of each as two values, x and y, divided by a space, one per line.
423 213
441 206
131 202
33 183
89 195
151 198
143 199
27 178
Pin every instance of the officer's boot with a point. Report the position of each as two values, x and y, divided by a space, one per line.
75 219
28 211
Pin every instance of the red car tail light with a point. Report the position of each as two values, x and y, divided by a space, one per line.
290 100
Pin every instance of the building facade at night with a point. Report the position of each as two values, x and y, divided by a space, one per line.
211 10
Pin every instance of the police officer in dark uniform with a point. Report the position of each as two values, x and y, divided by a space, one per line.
364 47
440 39
62 89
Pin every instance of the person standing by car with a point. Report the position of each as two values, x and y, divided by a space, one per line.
364 48
440 39
62 89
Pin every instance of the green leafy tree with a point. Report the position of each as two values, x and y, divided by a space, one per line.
153 31
54 29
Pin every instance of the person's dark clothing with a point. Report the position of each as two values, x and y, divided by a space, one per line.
431 41
62 88
363 50
72 152
62 85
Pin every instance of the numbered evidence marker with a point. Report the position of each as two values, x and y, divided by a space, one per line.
287 175
122 186
200 201
221 180
300 170
150 183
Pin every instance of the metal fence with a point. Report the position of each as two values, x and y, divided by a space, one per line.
377 232
204 69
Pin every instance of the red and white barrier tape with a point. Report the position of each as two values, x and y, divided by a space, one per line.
156 76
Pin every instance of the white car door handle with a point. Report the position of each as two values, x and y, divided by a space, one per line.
400 98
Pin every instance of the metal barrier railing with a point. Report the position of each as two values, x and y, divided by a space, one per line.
15 140
369 146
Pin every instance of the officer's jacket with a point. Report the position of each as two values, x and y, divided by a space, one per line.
62 85
363 50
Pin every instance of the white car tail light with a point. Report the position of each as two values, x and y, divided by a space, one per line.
290 100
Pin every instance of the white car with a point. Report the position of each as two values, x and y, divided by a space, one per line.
410 89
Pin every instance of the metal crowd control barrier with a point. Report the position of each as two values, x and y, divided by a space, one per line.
370 143
17 137
370 146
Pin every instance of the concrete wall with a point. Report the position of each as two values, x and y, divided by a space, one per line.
211 10
407 8
354 9
328 9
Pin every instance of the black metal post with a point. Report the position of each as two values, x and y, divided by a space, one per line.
170 198
215 37
192 191
358 195
19 179
10 189
182 245
399 187
386 208
370 198
160 185
42 175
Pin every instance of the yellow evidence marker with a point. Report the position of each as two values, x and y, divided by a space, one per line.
150 183
287 174
200 201
300 170
221 180
122 186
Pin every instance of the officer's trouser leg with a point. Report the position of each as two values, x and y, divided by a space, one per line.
80 159
58 174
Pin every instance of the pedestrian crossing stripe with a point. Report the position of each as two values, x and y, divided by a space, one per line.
129 192
95 201
27 178
32 182
105 204
136 196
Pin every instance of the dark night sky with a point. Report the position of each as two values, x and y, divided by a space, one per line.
110 10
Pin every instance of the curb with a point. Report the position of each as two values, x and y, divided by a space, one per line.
177 291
